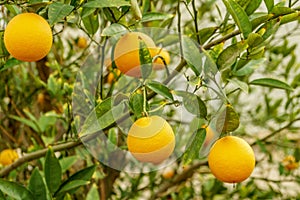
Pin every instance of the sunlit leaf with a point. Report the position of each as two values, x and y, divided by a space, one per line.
58 11
191 53
272 83
114 29
153 16
160 88
106 3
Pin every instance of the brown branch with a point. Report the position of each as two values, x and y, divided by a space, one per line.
37 154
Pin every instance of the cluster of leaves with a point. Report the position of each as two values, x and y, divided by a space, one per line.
243 45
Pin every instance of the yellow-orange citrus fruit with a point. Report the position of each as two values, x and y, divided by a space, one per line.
126 52
28 37
289 163
151 139
159 54
231 159
8 156
168 173
82 42
113 75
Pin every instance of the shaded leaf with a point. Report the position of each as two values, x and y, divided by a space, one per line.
91 23
37 185
58 11
113 29
161 89
71 185
10 63
193 103
192 55
155 16
206 33
240 17
272 83
106 3
145 59
228 120
52 171
249 67
136 102
193 148
15 190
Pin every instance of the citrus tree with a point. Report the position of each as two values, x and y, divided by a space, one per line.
152 99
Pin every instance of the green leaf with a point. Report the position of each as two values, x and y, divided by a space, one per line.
145 59
155 16
228 120
2 197
260 19
67 162
103 115
279 11
58 11
192 55
289 18
252 6
52 170
106 3
193 103
254 39
15 190
249 67
91 23
71 185
37 185
240 84
93 193
228 57
193 148
240 17
27 122
136 102
10 63
135 9
272 83
206 33
269 4
161 89
114 29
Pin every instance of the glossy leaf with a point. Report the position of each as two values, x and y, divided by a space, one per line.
114 29
155 16
52 170
272 83
136 102
193 148
161 89
193 103
15 190
91 23
240 16
37 185
106 3
58 11
192 55
71 185
228 120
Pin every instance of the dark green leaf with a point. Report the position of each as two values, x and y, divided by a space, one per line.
10 63
2 197
153 16
193 148
228 57
192 55
240 16
193 103
106 3
71 185
161 89
145 59
269 4
52 171
15 190
58 11
91 23
114 29
228 120
37 185
272 83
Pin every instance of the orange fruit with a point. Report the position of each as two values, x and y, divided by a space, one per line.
151 139
231 159
113 75
158 62
126 52
8 156
28 37
168 173
81 42
289 163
